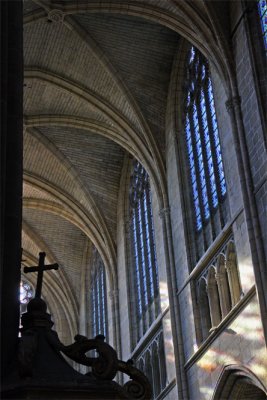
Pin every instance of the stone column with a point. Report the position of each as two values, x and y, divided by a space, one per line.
234 284
174 305
11 177
214 303
221 278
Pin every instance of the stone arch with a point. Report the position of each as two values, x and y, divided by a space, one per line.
204 308
233 274
202 37
239 383
223 285
213 296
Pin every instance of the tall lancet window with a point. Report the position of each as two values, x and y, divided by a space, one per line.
145 285
98 296
202 138
262 7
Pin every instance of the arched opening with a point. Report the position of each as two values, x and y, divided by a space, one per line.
204 309
213 296
233 275
239 383
223 285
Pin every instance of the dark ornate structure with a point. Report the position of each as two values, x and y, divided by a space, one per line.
42 371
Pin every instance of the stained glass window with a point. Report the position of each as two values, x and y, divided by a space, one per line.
26 292
202 139
262 7
143 245
98 296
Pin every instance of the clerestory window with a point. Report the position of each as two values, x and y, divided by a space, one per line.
98 296
143 253
262 7
202 139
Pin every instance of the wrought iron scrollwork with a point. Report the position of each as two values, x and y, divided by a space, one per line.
105 366
138 387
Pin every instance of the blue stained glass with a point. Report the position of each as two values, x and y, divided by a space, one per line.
218 154
202 161
199 149
215 199
210 166
192 54
189 146
195 117
138 278
208 150
204 120
262 7
210 94
216 137
221 172
214 121
188 99
203 72
195 191
223 187
193 174
144 277
191 159
206 210
202 102
199 223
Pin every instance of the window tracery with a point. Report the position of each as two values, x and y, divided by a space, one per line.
218 289
98 296
26 293
152 362
143 253
202 139
262 7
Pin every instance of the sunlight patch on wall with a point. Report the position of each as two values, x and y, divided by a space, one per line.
164 297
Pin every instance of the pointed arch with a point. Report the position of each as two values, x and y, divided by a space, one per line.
204 308
223 285
213 296
233 273
237 382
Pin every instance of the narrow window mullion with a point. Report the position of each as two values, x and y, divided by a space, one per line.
197 167
143 211
208 164
204 155
215 143
154 265
140 266
137 279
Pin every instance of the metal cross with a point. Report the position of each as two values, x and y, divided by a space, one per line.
40 269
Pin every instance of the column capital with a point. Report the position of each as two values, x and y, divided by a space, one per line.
232 103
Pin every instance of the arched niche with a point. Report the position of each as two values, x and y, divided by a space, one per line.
213 296
223 285
204 308
233 274
239 383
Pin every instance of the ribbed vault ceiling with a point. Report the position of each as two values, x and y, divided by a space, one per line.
96 83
